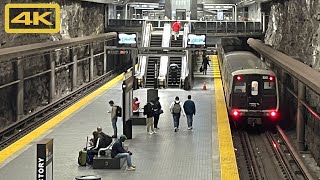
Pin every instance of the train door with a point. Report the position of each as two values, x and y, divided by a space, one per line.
254 92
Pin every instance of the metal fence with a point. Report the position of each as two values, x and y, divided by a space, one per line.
23 65
198 26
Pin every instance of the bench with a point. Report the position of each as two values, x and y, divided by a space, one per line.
107 162
138 119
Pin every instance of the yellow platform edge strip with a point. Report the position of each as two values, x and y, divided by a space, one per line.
228 163
18 145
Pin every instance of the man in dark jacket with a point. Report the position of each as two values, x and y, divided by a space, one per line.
148 110
190 110
119 152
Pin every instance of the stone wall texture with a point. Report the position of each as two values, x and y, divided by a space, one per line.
294 29
77 19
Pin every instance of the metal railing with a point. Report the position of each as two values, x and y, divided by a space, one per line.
199 26
19 60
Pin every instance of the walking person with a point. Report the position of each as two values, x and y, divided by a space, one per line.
205 63
114 118
157 112
148 111
190 110
175 109
176 28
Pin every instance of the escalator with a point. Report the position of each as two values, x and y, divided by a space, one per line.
151 71
176 43
156 41
175 60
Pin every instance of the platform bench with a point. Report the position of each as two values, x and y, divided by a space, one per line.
107 162
138 119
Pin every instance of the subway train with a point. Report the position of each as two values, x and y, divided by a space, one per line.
251 90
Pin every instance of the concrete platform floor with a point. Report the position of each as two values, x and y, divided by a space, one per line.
192 155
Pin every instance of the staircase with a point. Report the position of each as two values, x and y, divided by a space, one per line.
151 71
156 41
197 66
175 60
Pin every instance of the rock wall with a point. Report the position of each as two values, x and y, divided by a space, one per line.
294 28
77 19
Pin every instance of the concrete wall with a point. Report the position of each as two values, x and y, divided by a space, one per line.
77 19
294 28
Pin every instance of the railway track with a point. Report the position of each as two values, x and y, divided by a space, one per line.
19 129
268 156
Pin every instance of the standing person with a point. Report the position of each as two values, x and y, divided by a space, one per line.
157 112
175 109
176 28
205 63
174 68
114 118
148 111
190 110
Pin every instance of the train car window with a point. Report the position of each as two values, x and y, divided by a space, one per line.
240 87
254 88
269 87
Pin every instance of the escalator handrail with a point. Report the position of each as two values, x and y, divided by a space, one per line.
184 60
164 60
142 59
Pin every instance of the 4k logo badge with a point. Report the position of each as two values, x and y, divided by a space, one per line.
32 18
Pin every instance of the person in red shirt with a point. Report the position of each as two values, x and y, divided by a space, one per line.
176 27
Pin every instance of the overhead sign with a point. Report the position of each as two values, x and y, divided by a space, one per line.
127 39
32 18
194 39
118 51
45 160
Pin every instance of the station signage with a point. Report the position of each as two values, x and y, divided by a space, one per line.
118 51
44 161
127 39
194 39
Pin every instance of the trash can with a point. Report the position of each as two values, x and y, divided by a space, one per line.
128 132
88 177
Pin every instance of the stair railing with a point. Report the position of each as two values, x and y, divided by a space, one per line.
142 60
164 60
184 60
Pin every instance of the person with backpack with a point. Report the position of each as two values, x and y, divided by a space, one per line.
190 109
114 118
148 111
157 112
107 140
98 142
205 63
175 109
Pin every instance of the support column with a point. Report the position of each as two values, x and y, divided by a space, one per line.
193 9
91 63
168 8
74 58
20 90
300 117
52 78
105 56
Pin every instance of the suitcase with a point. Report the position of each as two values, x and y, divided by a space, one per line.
82 158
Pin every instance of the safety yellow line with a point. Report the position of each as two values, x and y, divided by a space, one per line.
10 150
228 163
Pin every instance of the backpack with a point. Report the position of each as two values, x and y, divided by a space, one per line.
176 108
146 109
119 111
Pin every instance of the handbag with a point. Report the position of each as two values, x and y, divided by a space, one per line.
201 69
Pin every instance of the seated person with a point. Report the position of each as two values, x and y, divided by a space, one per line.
119 152
135 105
107 139
99 141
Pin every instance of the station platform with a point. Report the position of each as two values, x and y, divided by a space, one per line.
204 153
